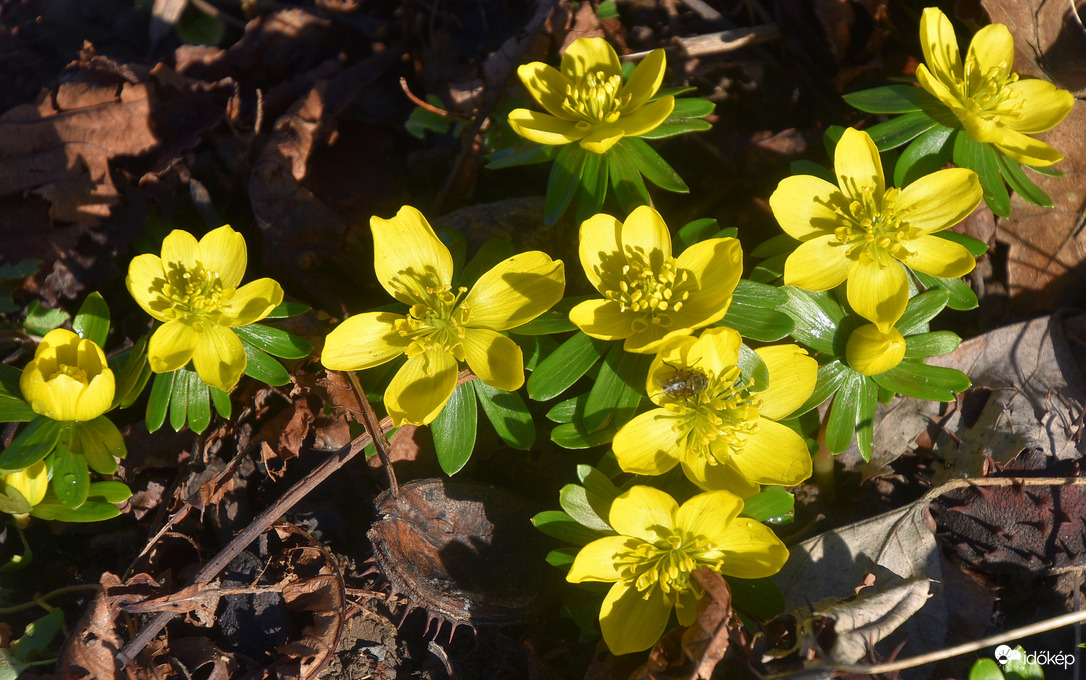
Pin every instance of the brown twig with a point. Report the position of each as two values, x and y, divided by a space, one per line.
427 105
380 442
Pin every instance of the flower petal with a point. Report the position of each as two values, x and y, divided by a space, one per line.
858 166
940 45
1042 105
818 264
602 319
792 378
252 302
496 359
602 137
717 349
96 397
710 475
1027 150
803 205
420 388
645 81
774 454
180 248
222 251
408 257
515 291
708 514
647 118
145 279
632 621
599 248
651 337
32 482
751 550
643 512
937 88
644 231
878 290
939 257
543 128
364 341
716 265
546 85
590 55
992 53
597 560
939 200
647 445
220 358
172 346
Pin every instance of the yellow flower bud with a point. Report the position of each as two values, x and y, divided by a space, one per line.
68 379
870 351
31 482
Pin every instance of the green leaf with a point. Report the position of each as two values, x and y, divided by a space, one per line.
71 479
1047 171
179 398
960 295
93 510
423 119
685 117
286 309
132 374
585 508
575 436
593 189
564 180
844 412
757 323
830 378
454 430
651 164
985 669
601 490
512 157
563 411
262 367
616 391
536 348
695 232
221 400
891 99
199 406
751 367
976 247
40 320
508 413
758 597
559 525
898 130
925 345
607 9
92 320
759 295
565 366
865 417
489 254
562 558
630 190
12 407
920 310
110 491
773 505
38 636
159 401
274 341
34 443
1024 669
458 248
926 154
919 380
1020 183
981 159
780 244
816 316
99 442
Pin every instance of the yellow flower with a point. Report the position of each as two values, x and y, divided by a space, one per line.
659 546
993 105
193 289
68 378
863 232
869 351
723 433
442 327
31 482
650 295
587 102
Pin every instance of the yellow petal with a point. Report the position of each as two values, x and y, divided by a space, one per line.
686 607
364 341
712 476
181 248
219 358
601 138
223 251
751 549
252 302
792 378
774 454
644 231
647 118
803 205
62 398
857 165
515 291
496 359
869 351
32 385
937 88
421 388
632 621
878 291
172 346
590 55
32 482
716 349
597 560
940 200
96 398
716 265
1027 150
543 128
1042 105
647 445
645 81
819 264
602 319
643 512
939 44
939 257
144 282
546 85
708 514
651 337
599 248
408 257
992 52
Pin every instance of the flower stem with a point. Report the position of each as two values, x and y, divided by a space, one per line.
823 462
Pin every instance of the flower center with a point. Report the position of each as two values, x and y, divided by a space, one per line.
74 372
984 92
593 98
437 322
190 291
650 291
717 421
668 562
869 229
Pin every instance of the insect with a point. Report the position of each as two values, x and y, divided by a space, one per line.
683 383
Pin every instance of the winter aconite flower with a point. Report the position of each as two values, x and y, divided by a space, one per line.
193 289
722 431
869 351
660 544
587 101
985 94
862 232
21 490
68 378
443 325
651 296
